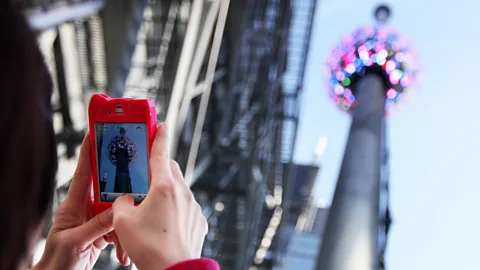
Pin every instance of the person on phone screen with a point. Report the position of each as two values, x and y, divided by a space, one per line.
165 232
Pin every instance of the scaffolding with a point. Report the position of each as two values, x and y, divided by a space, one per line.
253 160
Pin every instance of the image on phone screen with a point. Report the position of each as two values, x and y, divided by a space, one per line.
122 160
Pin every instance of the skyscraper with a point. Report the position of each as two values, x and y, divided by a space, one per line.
304 245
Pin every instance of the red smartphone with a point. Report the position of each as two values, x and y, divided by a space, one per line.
121 135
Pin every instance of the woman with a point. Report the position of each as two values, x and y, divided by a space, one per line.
165 232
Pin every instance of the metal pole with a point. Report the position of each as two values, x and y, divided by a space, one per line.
351 236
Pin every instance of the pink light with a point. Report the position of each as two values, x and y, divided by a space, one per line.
405 80
339 90
390 66
382 34
383 53
347 92
349 58
351 50
350 68
349 100
340 76
364 55
379 47
391 93
400 57
395 76
369 62
362 48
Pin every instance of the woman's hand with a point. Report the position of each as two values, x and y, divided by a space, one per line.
77 236
168 226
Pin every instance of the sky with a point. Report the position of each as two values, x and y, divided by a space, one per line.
433 139
138 169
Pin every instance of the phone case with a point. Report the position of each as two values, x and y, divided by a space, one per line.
103 109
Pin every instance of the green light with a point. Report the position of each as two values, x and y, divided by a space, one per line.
346 82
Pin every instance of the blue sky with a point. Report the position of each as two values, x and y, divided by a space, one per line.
434 139
138 169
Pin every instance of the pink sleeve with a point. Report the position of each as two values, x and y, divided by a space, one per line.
197 264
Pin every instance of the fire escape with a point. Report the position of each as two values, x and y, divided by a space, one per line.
227 77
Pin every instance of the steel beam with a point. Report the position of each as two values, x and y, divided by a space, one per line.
43 20
185 60
192 89
211 67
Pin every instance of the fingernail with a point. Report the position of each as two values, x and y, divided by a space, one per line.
126 260
165 126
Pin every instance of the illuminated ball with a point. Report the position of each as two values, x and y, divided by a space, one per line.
378 48
125 143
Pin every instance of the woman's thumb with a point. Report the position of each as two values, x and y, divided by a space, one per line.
123 207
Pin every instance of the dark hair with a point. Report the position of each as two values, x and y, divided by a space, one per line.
28 158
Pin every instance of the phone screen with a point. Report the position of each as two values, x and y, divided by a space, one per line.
122 160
